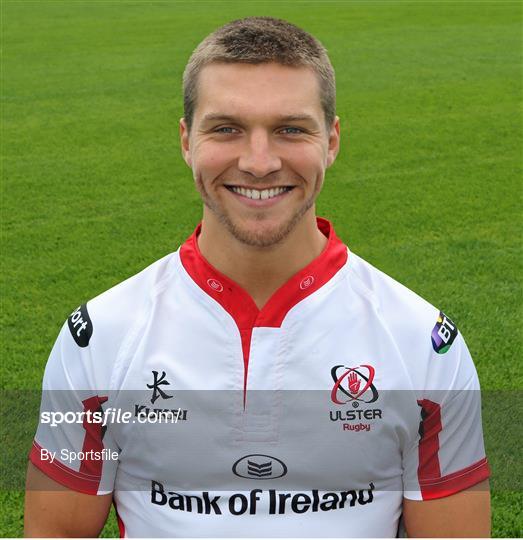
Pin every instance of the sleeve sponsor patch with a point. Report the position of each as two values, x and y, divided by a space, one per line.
80 325
443 334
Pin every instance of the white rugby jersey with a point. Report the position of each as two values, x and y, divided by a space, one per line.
313 416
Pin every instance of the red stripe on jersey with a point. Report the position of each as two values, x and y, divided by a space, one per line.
121 525
239 304
246 335
428 448
57 471
93 437
455 482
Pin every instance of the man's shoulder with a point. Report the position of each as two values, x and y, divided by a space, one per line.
114 312
421 333
142 285
391 297
412 322
99 333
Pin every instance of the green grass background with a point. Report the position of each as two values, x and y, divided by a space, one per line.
427 186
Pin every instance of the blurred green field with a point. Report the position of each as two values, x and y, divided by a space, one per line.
427 186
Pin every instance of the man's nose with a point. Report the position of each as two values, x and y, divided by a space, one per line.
258 157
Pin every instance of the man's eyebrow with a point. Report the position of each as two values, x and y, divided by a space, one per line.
297 118
217 117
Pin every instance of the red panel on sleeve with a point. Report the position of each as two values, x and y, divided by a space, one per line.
455 482
428 448
93 437
57 471
121 524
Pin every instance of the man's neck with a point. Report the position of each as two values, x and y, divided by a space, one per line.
261 271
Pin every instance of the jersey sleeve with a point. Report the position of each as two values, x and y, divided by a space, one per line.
72 445
447 455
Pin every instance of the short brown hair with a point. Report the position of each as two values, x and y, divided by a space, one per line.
259 40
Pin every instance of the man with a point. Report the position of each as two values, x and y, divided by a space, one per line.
314 396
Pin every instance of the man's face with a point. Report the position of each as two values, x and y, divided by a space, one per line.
258 148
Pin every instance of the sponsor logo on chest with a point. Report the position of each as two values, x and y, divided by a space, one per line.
159 414
258 501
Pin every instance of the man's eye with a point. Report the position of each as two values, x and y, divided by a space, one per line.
291 131
225 129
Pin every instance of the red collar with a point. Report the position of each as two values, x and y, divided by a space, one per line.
239 304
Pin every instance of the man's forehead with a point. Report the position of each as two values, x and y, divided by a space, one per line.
226 68
225 89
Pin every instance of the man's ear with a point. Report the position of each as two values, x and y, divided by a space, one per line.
334 142
184 142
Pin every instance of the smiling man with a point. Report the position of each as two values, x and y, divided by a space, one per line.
312 395
259 157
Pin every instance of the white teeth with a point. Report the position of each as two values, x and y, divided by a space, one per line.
257 194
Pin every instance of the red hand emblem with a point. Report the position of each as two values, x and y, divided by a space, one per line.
354 383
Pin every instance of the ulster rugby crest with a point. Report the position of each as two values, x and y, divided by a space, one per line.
353 384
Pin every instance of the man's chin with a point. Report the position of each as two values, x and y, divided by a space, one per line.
261 234
261 229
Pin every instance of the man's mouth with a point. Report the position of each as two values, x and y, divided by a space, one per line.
259 194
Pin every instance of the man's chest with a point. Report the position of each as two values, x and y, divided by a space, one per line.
312 405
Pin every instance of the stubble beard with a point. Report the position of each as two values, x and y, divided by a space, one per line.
259 239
